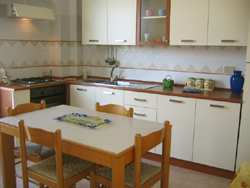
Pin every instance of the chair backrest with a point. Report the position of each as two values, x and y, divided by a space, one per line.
145 143
114 109
24 108
39 136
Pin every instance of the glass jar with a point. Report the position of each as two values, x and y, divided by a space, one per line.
199 83
190 82
208 84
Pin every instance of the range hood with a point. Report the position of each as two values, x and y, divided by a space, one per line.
14 10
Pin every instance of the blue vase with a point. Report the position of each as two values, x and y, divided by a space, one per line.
236 82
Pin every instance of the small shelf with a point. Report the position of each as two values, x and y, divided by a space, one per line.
154 17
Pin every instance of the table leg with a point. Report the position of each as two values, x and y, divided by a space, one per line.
118 172
7 159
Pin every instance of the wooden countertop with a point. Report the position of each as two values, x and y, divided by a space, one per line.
217 94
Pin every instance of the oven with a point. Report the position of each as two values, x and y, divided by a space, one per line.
53 95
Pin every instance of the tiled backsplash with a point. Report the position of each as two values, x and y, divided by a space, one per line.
150 63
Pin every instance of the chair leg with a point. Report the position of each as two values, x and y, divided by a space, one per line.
41 185
93 184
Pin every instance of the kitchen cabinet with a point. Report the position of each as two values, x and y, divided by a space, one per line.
94 21
144 104
209 22
188 22
180 111
228 22
153 19
82 96
111 22
216 132
122 22
108 96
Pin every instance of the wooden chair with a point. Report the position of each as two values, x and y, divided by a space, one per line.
60 170
114 109
137 173
35 152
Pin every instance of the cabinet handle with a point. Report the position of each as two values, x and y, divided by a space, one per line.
137 114
216 106
172 100
79 89
120 41
228 40
142 100
187 40
108 93
93 41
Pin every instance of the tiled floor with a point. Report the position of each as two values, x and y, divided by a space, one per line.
179 178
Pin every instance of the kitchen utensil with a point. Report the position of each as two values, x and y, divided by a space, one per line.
168 82
108 60
113 61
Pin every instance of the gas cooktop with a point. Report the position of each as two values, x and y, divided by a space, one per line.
35 80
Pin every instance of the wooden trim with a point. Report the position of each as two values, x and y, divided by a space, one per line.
193 166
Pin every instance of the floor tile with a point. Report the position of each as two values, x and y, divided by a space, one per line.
179 178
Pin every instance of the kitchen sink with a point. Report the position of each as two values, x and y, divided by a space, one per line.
129 84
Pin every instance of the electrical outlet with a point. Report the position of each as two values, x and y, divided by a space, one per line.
229 69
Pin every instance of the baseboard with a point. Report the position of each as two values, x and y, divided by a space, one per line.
193 166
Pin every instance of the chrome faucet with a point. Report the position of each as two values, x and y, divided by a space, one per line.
113 78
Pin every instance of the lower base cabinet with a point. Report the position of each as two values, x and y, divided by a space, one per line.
180 111
216 133
82 96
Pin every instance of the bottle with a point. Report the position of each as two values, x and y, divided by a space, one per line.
84 74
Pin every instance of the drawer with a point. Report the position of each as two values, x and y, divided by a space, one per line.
140 99
108 96
148 114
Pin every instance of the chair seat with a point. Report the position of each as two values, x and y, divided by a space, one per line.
37 150
147 172
71 167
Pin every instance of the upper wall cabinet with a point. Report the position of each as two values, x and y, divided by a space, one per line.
94 21
188 24
209 22
153 19
111 22
228 22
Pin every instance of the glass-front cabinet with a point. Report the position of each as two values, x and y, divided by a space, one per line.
153 18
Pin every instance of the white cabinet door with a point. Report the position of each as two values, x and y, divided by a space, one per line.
108 96
180 112
20 97
94 21
82 96
228 22
216 131
122 22
189 22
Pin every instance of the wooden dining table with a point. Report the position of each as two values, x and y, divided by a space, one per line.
110 144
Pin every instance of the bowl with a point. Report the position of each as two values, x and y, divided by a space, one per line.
168 82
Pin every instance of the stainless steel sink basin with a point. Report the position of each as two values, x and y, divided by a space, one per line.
129 84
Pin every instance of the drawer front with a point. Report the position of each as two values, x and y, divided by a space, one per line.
148 114
140 99
108 96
